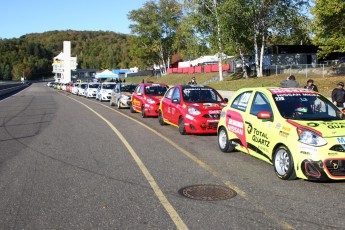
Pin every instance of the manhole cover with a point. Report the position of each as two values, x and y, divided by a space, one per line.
207 192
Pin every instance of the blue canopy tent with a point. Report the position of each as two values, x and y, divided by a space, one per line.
106 74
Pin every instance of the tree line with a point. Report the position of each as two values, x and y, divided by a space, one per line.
163 31
32 55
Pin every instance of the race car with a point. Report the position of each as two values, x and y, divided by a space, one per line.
121 96
146 98
90 90
300 132
104 91
191 108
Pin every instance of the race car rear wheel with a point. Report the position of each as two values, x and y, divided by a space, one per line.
160 118
181 127
283 164
223 141
143 114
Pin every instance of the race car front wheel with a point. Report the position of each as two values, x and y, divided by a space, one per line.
143 114
181 127
283 164
160 118
131 109
223 141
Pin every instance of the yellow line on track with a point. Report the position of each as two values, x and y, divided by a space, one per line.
160 195
202 164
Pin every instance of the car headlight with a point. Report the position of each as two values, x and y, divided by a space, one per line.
193 111
310 138
150 101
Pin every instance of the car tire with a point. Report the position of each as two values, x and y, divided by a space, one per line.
118 104
223 141
131 109
181 127
160 118
283 163
143 114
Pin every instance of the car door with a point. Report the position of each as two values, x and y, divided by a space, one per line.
260 131
137 98
175 106
235 118
166 104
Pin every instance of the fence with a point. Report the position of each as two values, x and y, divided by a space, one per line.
199 69
304 69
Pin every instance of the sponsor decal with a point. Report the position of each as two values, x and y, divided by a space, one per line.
260 138
283 134
184 106
304 153
189 117
335 125
263 148
341 140
332 154
207 105
214 112
235 126
307 148
286 129
136 102
278 126
312 124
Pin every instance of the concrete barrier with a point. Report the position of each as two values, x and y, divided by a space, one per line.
8 88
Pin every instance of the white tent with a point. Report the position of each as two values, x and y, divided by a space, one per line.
106 74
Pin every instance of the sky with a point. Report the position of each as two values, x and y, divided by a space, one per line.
20 17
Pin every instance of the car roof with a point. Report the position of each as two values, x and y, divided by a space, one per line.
194 86
279 90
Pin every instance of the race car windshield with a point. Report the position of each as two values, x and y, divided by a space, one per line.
156 90
93 86
128 88
306 107
200 95
108 86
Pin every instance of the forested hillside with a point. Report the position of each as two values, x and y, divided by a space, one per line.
32 55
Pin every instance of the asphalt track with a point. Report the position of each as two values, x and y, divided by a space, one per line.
68 162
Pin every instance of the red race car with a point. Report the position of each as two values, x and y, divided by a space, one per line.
146 98
191 108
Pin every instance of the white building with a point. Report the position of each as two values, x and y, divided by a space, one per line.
63 64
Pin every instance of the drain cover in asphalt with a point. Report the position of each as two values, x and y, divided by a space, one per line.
207 192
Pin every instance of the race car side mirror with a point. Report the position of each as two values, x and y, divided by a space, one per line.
176 101
264 115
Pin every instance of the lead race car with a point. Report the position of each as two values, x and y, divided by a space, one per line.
300 132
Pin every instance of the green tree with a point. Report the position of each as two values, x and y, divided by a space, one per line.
329 29
155 26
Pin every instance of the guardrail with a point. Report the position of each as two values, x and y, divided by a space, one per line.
11 87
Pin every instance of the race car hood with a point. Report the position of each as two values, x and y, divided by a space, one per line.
128 94
325 128
207 106
156 98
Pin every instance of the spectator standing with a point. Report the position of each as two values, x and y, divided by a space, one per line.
290 82
310 85
192 82
338 95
